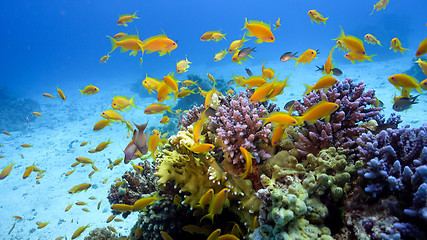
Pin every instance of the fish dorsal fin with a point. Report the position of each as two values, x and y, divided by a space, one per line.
256 22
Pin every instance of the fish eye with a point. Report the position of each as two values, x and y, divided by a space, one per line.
294 122
272 38
392 77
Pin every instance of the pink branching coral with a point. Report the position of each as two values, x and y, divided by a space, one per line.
237 124
342 129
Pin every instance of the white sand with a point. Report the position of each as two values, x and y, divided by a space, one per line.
57 136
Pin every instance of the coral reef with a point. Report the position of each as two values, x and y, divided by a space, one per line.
396 170
134 186
101 234
237 124
293 190
342 129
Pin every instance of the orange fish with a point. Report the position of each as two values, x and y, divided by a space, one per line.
422 48
307 56
60 93
126 18
353 43
260 30
6 171
321 110
159 43
130 42
396 45
323 83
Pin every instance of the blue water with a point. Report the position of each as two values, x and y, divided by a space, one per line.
50 43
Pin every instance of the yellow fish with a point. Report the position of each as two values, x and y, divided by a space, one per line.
104 58
182 66
188 83
151 84
37 114
28 171
277 25
126 18
306 57
185 93
163 92
341 46
112 115
157 108
6 171
324 82
79 231
130 42
142 203
423 65
122 207
328 63
220 55
201 148
120 35
122 102
352 56
317 17
253 81
102 146
171 81
205 199
89 90
101 124
79 188
278 134
61 93
153 142
382 4
353 43
260 30
248 158
237 44
321 110
280 118
26 145
48 95
217 204
217 36
165 235
369 38
165 120
159 43
404 81
422 48
260 94
396 45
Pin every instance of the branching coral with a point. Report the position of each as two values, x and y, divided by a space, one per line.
134 186
342 129
396 160
237 124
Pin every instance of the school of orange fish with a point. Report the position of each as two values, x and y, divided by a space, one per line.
267 87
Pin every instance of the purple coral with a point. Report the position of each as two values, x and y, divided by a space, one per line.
397 170
342 129
237 124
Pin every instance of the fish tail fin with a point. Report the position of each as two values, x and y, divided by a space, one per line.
324 20
418 88
246 24
132 102
308 89
208 216
81 91
156 196
113 44
369 57
169 109
134 15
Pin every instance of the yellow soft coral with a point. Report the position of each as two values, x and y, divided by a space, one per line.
195 174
